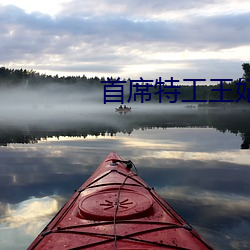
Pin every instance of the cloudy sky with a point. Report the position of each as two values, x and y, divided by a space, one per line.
132 38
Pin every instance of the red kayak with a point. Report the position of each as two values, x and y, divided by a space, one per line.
116 209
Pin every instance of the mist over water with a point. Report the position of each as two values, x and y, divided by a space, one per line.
53 102
59 109
64 104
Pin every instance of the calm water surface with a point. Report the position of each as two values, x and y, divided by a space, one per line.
195 162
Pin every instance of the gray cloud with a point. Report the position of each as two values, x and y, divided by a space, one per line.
109 39
141 8
199 29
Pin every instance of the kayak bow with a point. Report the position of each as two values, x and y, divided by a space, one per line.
116 209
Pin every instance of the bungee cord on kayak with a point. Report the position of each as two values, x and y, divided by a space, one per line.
116 237
129 164
115 208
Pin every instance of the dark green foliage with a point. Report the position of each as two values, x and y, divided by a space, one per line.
246 69
31 78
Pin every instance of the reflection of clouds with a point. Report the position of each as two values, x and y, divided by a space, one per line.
29 213
147 144
2 209
156 140
222 219
22 222
228 203
183 139
226 240
49 158
199 176
175 143
236 156
79 138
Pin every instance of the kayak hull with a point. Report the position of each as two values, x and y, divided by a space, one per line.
116 209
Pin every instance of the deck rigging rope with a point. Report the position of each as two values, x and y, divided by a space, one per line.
116 237
129 165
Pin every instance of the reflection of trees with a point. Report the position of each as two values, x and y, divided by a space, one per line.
233 121
8 137
237 122
246 140
245 144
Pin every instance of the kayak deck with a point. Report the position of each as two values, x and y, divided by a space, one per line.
116 209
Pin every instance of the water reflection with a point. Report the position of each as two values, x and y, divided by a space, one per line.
104 123
21 221
200 171
31 210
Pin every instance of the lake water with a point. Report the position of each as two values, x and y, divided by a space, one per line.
197 160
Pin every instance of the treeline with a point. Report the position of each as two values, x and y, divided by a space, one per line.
31 78
219 93
237 91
